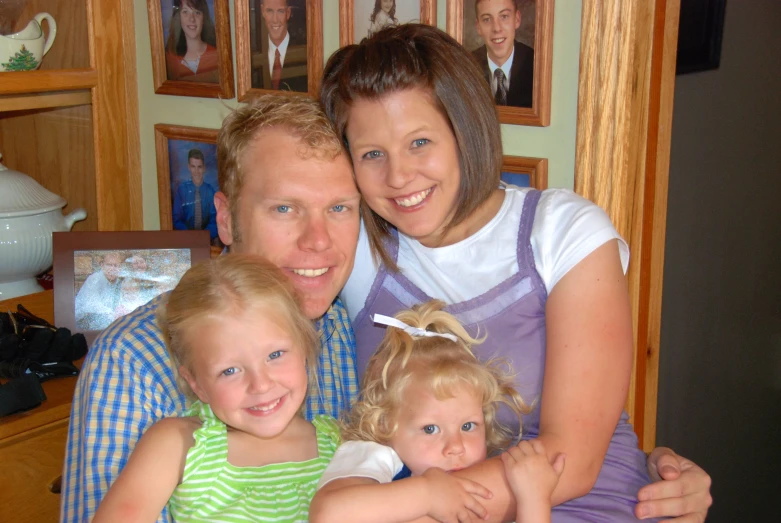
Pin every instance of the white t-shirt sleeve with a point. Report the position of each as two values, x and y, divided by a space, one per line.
361 279
567 228
362 459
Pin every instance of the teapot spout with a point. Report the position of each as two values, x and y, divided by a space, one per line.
75 216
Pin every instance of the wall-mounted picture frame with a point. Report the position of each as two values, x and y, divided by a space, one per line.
101 276
519 34
191 47
361 18
187 179
279 46
525 171
699 35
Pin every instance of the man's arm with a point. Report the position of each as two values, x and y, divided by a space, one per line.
121 391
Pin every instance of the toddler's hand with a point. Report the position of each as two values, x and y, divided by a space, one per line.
531 475
454 499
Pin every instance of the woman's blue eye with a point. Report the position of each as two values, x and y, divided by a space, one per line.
230 371
469 426
371 155
274 355
420 142
430 429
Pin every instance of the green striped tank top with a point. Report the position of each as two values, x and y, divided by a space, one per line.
214 490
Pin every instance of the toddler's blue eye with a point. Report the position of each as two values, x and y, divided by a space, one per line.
430 429
469 426
230 371
274 355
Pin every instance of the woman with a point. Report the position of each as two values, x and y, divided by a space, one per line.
541 273
191 48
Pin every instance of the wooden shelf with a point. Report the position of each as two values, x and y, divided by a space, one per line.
47 80
31 101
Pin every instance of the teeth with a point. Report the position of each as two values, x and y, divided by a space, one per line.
267 407
413 200
310 273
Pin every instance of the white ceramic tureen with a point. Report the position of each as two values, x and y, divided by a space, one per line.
29 214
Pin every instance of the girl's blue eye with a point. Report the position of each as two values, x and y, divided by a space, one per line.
469 426
230 371
430 429
274 355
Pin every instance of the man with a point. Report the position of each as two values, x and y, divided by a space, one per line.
508 65
194 199
288 195
99 296
284 62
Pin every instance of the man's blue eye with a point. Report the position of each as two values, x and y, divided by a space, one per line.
339 208
283 208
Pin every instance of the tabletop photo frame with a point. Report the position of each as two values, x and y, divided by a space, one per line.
101 276
525 171
527 100
180 68
361 18
279 47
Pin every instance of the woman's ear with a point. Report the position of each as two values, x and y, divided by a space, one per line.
185 373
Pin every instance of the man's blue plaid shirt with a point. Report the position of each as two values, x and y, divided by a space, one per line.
127 383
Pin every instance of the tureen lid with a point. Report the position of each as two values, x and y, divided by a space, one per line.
20 195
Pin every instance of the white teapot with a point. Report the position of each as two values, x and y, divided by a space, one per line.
23 51
29 214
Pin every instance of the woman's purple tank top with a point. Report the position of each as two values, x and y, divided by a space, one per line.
512 317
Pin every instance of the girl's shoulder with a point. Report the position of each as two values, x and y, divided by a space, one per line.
327 428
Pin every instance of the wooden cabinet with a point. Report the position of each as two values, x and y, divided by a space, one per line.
32 443
72 125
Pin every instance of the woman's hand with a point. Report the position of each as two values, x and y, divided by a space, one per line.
681 489
454 499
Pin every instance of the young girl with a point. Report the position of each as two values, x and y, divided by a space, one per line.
429 407
191 48
384 15
243 350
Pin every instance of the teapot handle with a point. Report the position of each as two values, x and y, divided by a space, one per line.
52 29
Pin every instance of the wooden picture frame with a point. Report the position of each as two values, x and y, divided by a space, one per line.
352 10
143 264
533 170
170 74
699 35
174 146
304 54
460 16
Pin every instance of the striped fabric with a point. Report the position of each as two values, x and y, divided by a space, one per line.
214 490
127 383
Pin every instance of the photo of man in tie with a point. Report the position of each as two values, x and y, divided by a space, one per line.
508 64
279 45
193 205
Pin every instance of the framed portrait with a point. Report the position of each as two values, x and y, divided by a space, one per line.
279 46
699 35
101 276
512 42
361 18
525 172
191 47
187 179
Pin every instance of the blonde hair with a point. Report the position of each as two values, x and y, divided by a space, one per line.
228 285
443 365
300 115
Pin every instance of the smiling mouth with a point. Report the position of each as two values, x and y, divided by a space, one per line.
268 407
311 273
498 40
413 199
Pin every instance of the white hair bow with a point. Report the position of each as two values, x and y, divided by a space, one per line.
409 329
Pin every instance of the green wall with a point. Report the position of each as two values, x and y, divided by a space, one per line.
556 142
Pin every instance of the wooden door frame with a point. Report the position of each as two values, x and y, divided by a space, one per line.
625 100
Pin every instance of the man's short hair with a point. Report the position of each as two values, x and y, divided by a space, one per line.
195 153
516 4
299 115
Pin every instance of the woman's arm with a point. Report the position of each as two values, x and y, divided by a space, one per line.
151 474
435 493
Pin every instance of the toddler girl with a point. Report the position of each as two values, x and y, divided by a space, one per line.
429 407
243 350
